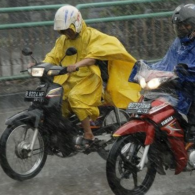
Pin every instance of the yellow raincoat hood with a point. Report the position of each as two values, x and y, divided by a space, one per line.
91 43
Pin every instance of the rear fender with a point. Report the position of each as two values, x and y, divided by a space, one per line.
135 126
31 116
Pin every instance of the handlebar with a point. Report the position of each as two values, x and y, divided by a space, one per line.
51 69
64 71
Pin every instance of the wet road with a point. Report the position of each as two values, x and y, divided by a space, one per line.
78 175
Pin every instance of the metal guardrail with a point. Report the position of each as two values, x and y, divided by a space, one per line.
129 17
79 6
88 21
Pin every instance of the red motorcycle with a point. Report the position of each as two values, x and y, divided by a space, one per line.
156 138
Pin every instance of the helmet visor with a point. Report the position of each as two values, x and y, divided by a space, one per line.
59 25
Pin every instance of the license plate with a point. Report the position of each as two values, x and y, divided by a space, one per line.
138 108
31 95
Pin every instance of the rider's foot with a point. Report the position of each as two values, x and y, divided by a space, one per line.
83 143
89 136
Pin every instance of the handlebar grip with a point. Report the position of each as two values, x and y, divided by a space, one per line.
63 71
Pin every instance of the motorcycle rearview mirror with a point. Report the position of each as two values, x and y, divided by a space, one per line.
69 52
27 51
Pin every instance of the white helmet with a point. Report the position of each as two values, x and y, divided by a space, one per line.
67 15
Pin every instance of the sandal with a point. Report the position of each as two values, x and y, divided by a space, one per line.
83 144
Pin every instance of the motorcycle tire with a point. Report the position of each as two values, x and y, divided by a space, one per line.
14 152
123 176
110 121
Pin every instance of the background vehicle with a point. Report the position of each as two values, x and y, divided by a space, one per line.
40 130
157 138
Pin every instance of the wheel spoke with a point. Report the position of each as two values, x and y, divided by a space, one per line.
25 133
135 178
39 149
15 141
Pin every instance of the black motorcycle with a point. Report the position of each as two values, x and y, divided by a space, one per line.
41 129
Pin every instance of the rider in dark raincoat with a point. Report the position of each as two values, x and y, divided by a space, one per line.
181 56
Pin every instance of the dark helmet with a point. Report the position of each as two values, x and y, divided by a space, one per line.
183 20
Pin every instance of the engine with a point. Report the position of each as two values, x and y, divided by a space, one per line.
191 160
168 160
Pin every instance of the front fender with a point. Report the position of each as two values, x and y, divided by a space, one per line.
135 126
32 116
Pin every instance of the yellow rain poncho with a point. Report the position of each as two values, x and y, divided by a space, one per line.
83 89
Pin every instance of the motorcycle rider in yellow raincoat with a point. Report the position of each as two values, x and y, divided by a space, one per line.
83 88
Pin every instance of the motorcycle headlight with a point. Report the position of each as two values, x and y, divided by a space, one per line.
36 72
53 72
142 82
153 83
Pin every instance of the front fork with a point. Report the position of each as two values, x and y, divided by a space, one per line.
38 115
33 142
140 166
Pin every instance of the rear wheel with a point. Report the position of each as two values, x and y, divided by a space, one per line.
15 157
124 178
111 122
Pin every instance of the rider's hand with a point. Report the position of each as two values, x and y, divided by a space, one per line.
181 70
72 68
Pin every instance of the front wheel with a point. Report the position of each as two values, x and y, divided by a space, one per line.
123 176
17 161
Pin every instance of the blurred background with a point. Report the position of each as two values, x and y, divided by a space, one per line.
143 26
